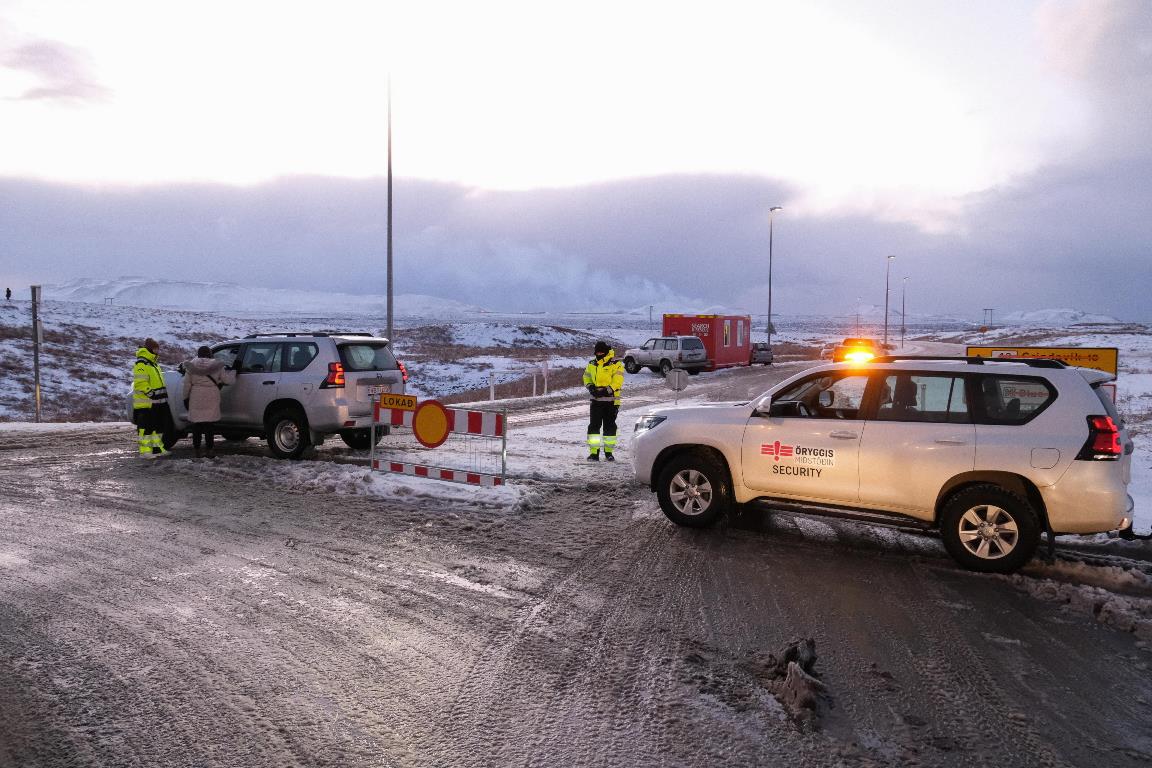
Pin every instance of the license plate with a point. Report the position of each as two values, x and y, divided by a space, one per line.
377 389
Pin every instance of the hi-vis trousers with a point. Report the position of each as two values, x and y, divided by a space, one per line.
602 418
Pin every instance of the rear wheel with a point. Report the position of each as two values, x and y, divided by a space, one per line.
694 490
631 366
361 439
665 366
989 529
287 432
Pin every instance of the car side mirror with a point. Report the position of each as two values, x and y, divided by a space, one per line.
827 398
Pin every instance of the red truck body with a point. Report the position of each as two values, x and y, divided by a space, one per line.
726 337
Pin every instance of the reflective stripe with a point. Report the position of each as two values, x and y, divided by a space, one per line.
594 441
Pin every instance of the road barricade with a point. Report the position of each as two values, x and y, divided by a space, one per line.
457 445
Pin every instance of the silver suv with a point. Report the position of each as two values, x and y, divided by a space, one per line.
664 353
989 453
295 389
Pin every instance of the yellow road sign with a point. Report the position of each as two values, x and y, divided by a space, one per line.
1101 358
399 402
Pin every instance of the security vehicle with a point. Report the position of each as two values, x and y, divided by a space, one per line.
664 353
988 453
296 389
856 350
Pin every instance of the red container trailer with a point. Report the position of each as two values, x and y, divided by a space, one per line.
726 337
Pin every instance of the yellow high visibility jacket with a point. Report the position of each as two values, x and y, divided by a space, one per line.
606 371
147 381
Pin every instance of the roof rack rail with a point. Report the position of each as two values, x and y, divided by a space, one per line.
1034 362
309 333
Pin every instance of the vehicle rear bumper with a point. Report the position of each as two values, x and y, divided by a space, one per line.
340 416
1089 498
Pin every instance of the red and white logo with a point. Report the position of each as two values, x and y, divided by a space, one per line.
776 450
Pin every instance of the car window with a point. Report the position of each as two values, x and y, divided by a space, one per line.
650 344
670 344
367 357
298 354
1013 400
226 354
693 344
923 397
827 396
262 356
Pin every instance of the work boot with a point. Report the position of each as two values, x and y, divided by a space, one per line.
594 456
609 457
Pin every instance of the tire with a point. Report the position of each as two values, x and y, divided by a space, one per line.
989 529
631 366
287 434
665 366
694 490
361 439
693 371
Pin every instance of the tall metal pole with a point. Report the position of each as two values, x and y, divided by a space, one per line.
390 337
903 304
36 338
887 269
771 211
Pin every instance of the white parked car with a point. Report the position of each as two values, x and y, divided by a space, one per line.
663 353
990 453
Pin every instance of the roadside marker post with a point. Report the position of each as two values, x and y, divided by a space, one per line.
482 436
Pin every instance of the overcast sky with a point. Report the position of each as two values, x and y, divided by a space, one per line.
592 154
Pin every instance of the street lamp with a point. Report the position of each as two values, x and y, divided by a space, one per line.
771 211
887 269
903 304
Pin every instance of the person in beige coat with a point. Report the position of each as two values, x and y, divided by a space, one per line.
204 377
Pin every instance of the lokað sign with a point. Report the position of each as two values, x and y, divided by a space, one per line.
1100 358
399 402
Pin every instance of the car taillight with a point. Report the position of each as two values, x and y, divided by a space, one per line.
335 377
1103 443
403 371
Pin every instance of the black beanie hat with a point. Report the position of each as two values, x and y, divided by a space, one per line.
602 347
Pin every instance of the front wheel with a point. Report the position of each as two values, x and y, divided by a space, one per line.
287 432
630 365
989 529
694 490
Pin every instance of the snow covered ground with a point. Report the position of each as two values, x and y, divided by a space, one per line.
88 349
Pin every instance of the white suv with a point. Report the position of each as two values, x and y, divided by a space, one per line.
295 389
990 453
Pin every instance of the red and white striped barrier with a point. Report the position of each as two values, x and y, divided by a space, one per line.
438 473
459 420
431 423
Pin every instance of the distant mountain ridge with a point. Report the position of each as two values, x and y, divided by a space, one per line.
230 297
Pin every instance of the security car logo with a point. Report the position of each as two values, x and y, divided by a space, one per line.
776 450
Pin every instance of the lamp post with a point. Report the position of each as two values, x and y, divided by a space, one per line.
887 269
771 211
903 304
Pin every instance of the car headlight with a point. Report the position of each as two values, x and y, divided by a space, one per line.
645 423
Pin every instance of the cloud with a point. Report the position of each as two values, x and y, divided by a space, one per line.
60 73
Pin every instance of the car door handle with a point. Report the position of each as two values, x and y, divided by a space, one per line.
843 435
266 383
952 441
